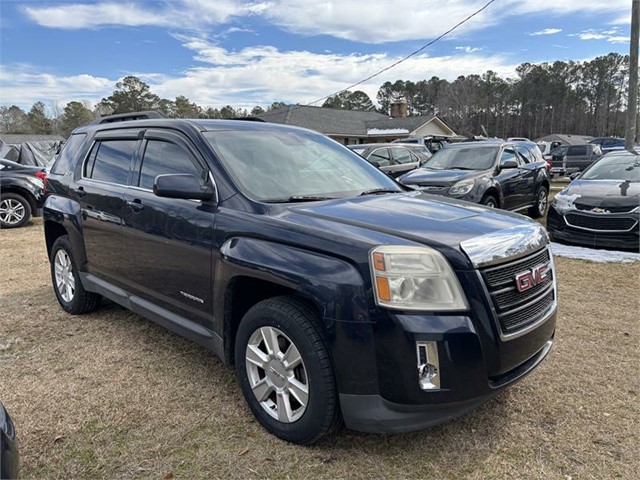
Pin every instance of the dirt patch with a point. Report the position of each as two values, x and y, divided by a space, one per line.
113 395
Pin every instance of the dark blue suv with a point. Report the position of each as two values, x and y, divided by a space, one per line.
337 294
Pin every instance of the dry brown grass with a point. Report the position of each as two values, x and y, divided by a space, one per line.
110 395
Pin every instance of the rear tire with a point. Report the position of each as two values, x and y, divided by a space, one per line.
490 201
15 210
71 295
285 372
540 207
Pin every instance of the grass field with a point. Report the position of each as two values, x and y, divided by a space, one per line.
111 395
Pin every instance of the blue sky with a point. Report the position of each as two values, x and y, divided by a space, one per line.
219 52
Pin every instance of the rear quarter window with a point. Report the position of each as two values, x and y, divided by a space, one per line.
68 157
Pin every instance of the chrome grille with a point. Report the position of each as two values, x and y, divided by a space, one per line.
605 223
517 310
610 209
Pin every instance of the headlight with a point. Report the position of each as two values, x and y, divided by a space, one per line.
415 278
36 181
564 203
462 187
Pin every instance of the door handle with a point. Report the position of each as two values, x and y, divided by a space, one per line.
80 192
135 205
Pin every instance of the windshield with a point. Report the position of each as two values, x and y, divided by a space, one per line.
463 158
614 168
276 166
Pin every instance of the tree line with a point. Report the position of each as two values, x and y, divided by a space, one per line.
587 98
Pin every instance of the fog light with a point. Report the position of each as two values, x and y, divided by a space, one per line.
428 365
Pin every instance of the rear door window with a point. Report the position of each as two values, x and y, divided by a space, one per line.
402 155
382 156
161 158
527 156
110 161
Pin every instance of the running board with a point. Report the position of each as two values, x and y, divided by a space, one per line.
169 320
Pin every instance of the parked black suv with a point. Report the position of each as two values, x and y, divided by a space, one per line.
338 294
508 175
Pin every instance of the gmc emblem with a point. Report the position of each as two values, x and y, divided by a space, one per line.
533 277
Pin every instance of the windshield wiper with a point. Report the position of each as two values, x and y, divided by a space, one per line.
379 191
461 168
299 198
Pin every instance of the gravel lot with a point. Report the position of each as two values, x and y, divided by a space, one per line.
111 395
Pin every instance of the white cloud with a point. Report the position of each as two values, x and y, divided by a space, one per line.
24 85
546 31
255 75
467 49
612 35
377 21
184 14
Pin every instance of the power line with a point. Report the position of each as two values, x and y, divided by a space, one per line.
398 62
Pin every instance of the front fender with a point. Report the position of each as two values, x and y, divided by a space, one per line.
334 286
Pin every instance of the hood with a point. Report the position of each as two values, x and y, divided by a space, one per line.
425 176
604 193
439 222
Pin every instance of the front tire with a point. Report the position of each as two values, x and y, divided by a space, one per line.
285 372
15 210
540 207
490 201
71 295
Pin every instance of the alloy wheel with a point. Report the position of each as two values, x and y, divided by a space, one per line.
542 202
277 374
11 211
65 281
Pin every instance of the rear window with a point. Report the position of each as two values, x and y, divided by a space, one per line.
67 158
111 162
578 150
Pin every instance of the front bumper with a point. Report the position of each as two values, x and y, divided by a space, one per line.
374 414
475 363
561 232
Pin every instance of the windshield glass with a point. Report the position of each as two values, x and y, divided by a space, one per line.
614 168
273 166
464 158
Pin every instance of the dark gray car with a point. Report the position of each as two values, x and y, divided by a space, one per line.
567 159
392 159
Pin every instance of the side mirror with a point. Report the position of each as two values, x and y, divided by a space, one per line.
185 186
509 164
374 163
575 175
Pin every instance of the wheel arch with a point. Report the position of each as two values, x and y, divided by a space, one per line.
251 270
23 192
495 192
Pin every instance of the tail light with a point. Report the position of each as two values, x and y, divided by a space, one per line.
42 175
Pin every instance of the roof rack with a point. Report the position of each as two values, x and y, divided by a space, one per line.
125 117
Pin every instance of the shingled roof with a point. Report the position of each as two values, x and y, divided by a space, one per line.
389 123
325 120
347 123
